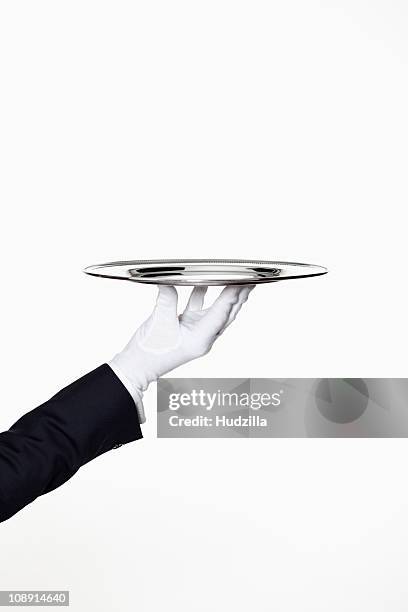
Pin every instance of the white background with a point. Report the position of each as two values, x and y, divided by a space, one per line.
251 129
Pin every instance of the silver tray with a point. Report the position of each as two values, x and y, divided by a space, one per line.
204 271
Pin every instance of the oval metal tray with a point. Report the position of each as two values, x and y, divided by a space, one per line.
204 271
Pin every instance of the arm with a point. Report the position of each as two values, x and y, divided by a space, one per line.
46 446
104 409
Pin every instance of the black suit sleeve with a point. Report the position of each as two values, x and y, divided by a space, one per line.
46 446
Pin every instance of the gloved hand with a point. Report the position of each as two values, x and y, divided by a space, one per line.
165 340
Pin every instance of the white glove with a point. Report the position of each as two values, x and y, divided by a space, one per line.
165 340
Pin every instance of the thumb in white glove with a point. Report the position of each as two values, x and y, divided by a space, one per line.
165 340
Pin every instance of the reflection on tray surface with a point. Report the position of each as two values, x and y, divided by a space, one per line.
150 272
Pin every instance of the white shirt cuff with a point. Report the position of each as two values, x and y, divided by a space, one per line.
136 394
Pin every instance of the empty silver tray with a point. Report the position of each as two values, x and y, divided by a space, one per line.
204 271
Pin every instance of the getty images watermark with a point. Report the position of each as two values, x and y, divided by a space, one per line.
216 400
286 407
